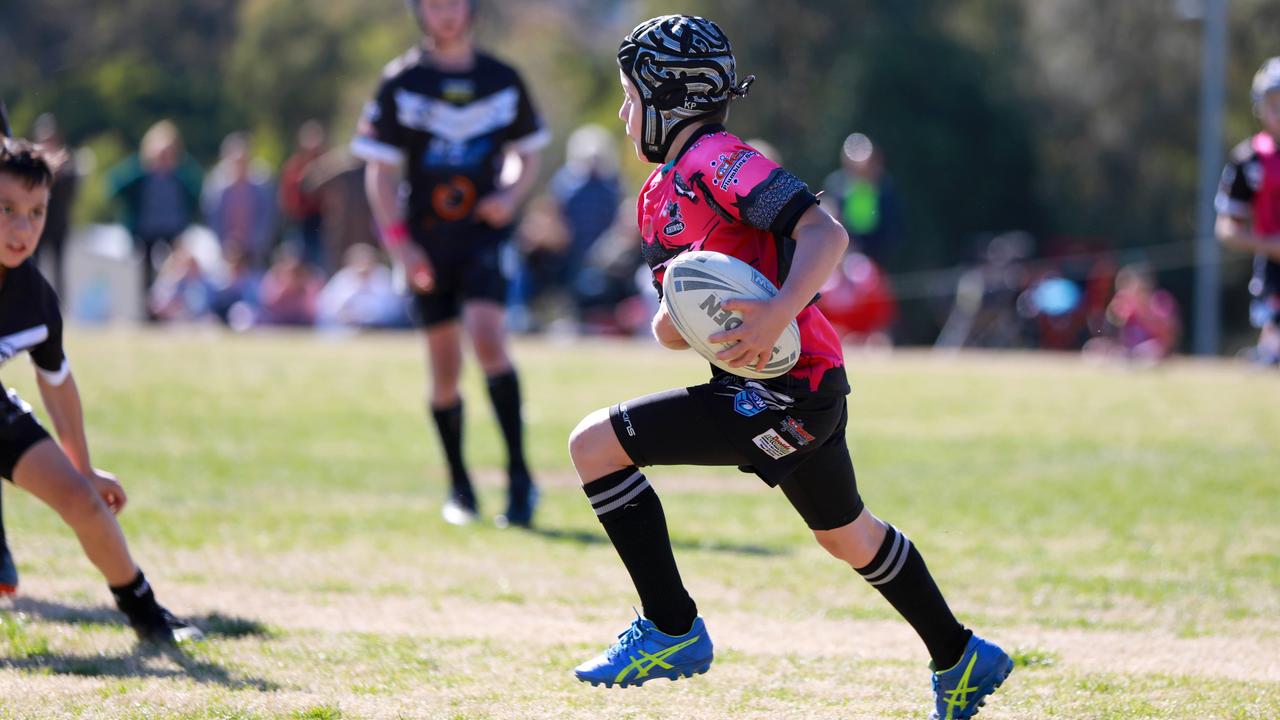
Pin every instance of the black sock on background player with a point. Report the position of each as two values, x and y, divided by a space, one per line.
899 573
449 424
632 516
504 392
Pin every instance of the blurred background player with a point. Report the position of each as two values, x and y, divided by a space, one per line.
63 477
1248 205
711 191
865 201
459 126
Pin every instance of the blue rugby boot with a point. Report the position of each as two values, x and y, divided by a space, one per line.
643 652
8 572
960 691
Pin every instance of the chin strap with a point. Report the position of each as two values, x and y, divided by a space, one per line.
742 88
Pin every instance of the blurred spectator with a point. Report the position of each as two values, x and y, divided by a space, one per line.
587 191
239 203
858 302
360 294
158 191
542 241
300 204
62 196
181 292
984 313
338 179
235 295
289 290
1142 321
865 200
610 300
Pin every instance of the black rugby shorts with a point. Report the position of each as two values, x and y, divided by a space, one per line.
19 432
795 444
467 267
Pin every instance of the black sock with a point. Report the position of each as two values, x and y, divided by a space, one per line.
504 391
134 597
449 425
899 573
632 517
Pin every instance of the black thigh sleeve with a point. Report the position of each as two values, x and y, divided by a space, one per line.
670 428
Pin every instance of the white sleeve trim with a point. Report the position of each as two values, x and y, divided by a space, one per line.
369 149
1223 204
56 377
532 142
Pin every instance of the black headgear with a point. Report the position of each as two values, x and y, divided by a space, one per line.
684 70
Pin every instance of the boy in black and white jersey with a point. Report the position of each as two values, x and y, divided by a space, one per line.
62 476
446 119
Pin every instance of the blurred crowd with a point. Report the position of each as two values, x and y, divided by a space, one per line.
296 246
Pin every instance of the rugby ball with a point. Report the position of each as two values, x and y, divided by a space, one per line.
694 288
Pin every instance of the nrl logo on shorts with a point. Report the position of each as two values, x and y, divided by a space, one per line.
676 226
748 404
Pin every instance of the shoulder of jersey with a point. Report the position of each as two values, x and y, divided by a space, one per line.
488 64
710 147
1242 152
404 62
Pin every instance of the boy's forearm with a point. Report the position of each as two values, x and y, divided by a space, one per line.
62 402
820 244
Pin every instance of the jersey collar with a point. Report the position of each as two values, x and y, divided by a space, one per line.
708 129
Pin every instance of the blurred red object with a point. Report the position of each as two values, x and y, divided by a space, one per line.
857 298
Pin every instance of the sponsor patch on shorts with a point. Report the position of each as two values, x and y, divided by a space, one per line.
772 444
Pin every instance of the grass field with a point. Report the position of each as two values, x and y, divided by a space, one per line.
1119 529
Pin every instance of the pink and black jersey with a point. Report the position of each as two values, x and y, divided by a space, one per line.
721 194
1250 191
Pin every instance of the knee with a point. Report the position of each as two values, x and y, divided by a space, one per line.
588 444
856 543
77 503
581 440
492 355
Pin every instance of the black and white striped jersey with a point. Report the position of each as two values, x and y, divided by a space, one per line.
450 131
31 322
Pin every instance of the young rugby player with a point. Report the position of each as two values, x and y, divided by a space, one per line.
8 568
63 477
446 118
714 192
1248 205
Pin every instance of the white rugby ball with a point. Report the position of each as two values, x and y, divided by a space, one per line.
694 288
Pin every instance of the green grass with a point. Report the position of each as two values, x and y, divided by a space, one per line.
1116 529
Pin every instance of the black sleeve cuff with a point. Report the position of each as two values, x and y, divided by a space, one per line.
790 213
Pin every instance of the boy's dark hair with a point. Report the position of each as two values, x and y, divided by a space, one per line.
29 163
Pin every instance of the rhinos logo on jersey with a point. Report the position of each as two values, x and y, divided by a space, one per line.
684 70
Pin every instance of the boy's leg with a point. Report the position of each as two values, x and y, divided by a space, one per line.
631 513
824 492
44 471
485 323
671 641
444 351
